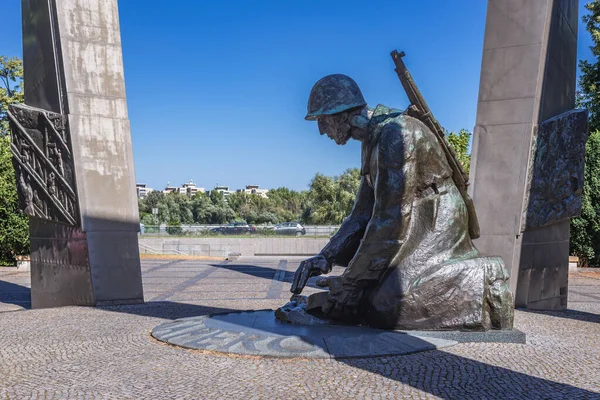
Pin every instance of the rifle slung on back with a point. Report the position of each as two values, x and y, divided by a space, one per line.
421 111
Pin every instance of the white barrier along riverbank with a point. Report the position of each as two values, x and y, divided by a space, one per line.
222 247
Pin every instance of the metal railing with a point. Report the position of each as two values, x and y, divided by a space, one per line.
216 231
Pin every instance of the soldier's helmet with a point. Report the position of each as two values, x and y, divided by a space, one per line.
334 94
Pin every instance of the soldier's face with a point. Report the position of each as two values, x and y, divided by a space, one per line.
334 127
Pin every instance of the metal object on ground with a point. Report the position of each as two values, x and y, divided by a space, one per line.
259 333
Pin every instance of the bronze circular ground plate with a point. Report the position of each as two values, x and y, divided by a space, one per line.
259 333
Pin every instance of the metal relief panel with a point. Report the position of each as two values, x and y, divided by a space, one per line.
60 269
43 162
555 176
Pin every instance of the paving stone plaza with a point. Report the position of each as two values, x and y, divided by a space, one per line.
107 352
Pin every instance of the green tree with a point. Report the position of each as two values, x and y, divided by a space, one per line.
585 230
460 143
200 208
220 212
589 80
152 199
14 226
330 199
11 87
286 204
184 208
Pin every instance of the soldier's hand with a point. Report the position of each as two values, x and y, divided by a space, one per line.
313 266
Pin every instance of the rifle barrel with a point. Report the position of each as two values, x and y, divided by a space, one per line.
426 116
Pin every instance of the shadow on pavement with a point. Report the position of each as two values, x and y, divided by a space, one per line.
568 314
436 372
11 293
264 272
167 309
453 377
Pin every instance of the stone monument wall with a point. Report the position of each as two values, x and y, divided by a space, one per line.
73 71
527 76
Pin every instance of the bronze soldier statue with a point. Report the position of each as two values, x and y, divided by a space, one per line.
410 262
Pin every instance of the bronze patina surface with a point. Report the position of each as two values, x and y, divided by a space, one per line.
555 178
410 262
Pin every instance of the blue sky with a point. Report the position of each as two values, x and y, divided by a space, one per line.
217 90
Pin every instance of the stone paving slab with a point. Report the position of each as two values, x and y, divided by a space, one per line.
258 333
108 352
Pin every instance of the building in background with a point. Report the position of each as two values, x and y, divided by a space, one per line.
254 189
223 189
188 189
142 190
170 189
191 189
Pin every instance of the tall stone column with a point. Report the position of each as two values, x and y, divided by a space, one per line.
528 76
82 199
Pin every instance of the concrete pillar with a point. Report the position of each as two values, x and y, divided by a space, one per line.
527 76
73 66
